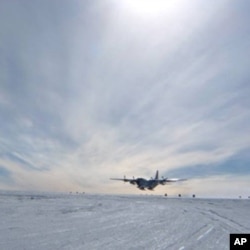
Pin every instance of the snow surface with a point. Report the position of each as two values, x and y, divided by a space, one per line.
59 221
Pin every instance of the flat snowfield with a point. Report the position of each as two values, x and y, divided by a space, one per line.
54 221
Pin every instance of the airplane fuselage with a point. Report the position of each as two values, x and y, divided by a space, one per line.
143 183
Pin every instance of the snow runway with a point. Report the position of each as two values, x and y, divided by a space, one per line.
55 221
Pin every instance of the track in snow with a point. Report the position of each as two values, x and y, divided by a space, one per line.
52 221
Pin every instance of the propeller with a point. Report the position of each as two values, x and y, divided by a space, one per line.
163 181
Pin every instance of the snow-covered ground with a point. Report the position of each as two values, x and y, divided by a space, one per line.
57 221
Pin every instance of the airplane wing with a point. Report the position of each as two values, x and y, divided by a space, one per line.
132 181
120 179
174 180
166 180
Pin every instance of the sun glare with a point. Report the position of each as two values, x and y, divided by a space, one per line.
147 7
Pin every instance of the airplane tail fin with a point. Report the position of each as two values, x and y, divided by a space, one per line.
157 175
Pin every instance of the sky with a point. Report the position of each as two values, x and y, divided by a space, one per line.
96 89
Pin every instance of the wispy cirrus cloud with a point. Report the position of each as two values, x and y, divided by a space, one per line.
97 89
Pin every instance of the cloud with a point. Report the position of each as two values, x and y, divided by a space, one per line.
236 165
93 90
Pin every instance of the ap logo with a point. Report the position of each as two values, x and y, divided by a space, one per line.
239 241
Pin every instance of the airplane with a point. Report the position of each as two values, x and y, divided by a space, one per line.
143 184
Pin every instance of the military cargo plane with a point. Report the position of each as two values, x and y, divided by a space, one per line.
143 184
